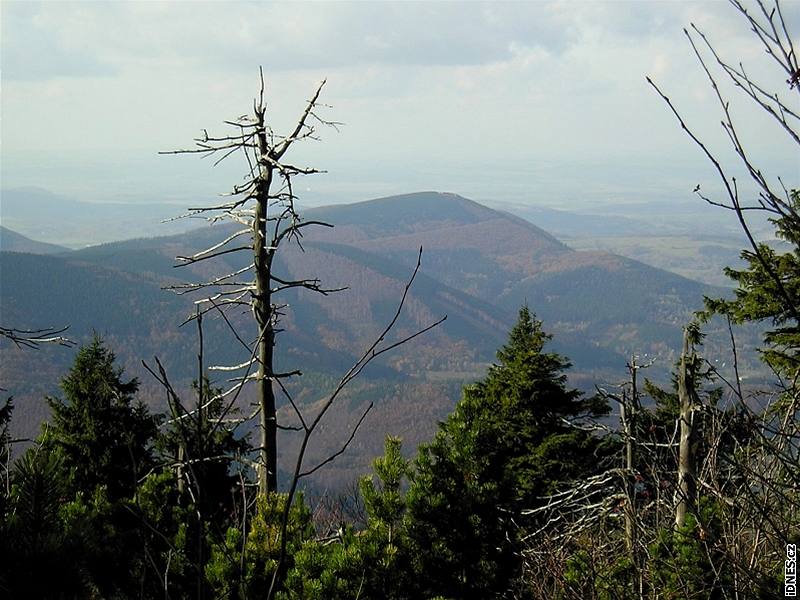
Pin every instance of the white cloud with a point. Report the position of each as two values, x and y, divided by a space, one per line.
427 90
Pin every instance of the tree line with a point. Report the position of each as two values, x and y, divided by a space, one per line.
522 493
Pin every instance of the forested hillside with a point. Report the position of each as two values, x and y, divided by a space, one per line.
478 266
415 397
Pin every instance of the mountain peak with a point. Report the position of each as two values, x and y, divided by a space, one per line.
416 206
417 212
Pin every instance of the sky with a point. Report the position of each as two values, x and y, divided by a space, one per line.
528 102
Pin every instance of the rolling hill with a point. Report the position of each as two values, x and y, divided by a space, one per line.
11 241
588 299
479 266
40 214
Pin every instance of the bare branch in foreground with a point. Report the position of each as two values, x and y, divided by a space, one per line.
33 338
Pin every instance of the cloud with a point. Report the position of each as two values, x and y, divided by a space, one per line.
45 40
90 39
447 84
33 49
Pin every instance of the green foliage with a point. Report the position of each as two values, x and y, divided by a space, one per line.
686 562
591 572
104 436
370 564
385 502
189 503
210 451
325 571
70 523
80 503
62 547
507 443
384 545
168 527
454 533
242 565
39 558
768 290
38 490
108 537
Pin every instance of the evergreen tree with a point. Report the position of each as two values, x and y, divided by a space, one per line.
192 500
104 435
768 289
205 451
39 557
371 564
69 529
242 564
508 442
72 520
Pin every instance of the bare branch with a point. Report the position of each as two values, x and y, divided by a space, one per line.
33 338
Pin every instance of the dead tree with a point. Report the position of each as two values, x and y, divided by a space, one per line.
309 423
687 396
629 408
264 209
196 450
760 475
773 197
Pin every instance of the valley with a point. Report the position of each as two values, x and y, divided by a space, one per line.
479 265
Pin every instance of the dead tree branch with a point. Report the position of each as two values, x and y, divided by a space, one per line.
33 338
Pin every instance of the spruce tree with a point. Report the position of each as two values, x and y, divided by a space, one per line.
210 453
103 433
508 442
39 557
768 290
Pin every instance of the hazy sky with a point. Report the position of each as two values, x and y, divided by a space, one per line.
541 102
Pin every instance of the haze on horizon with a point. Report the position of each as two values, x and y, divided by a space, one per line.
540 102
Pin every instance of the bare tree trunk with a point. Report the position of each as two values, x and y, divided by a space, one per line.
179 468
201 455
626 414
629 409
262 307
686 458
268 446
250 204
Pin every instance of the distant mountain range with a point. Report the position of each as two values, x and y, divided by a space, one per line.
479 266
583 297
11 241
40 214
